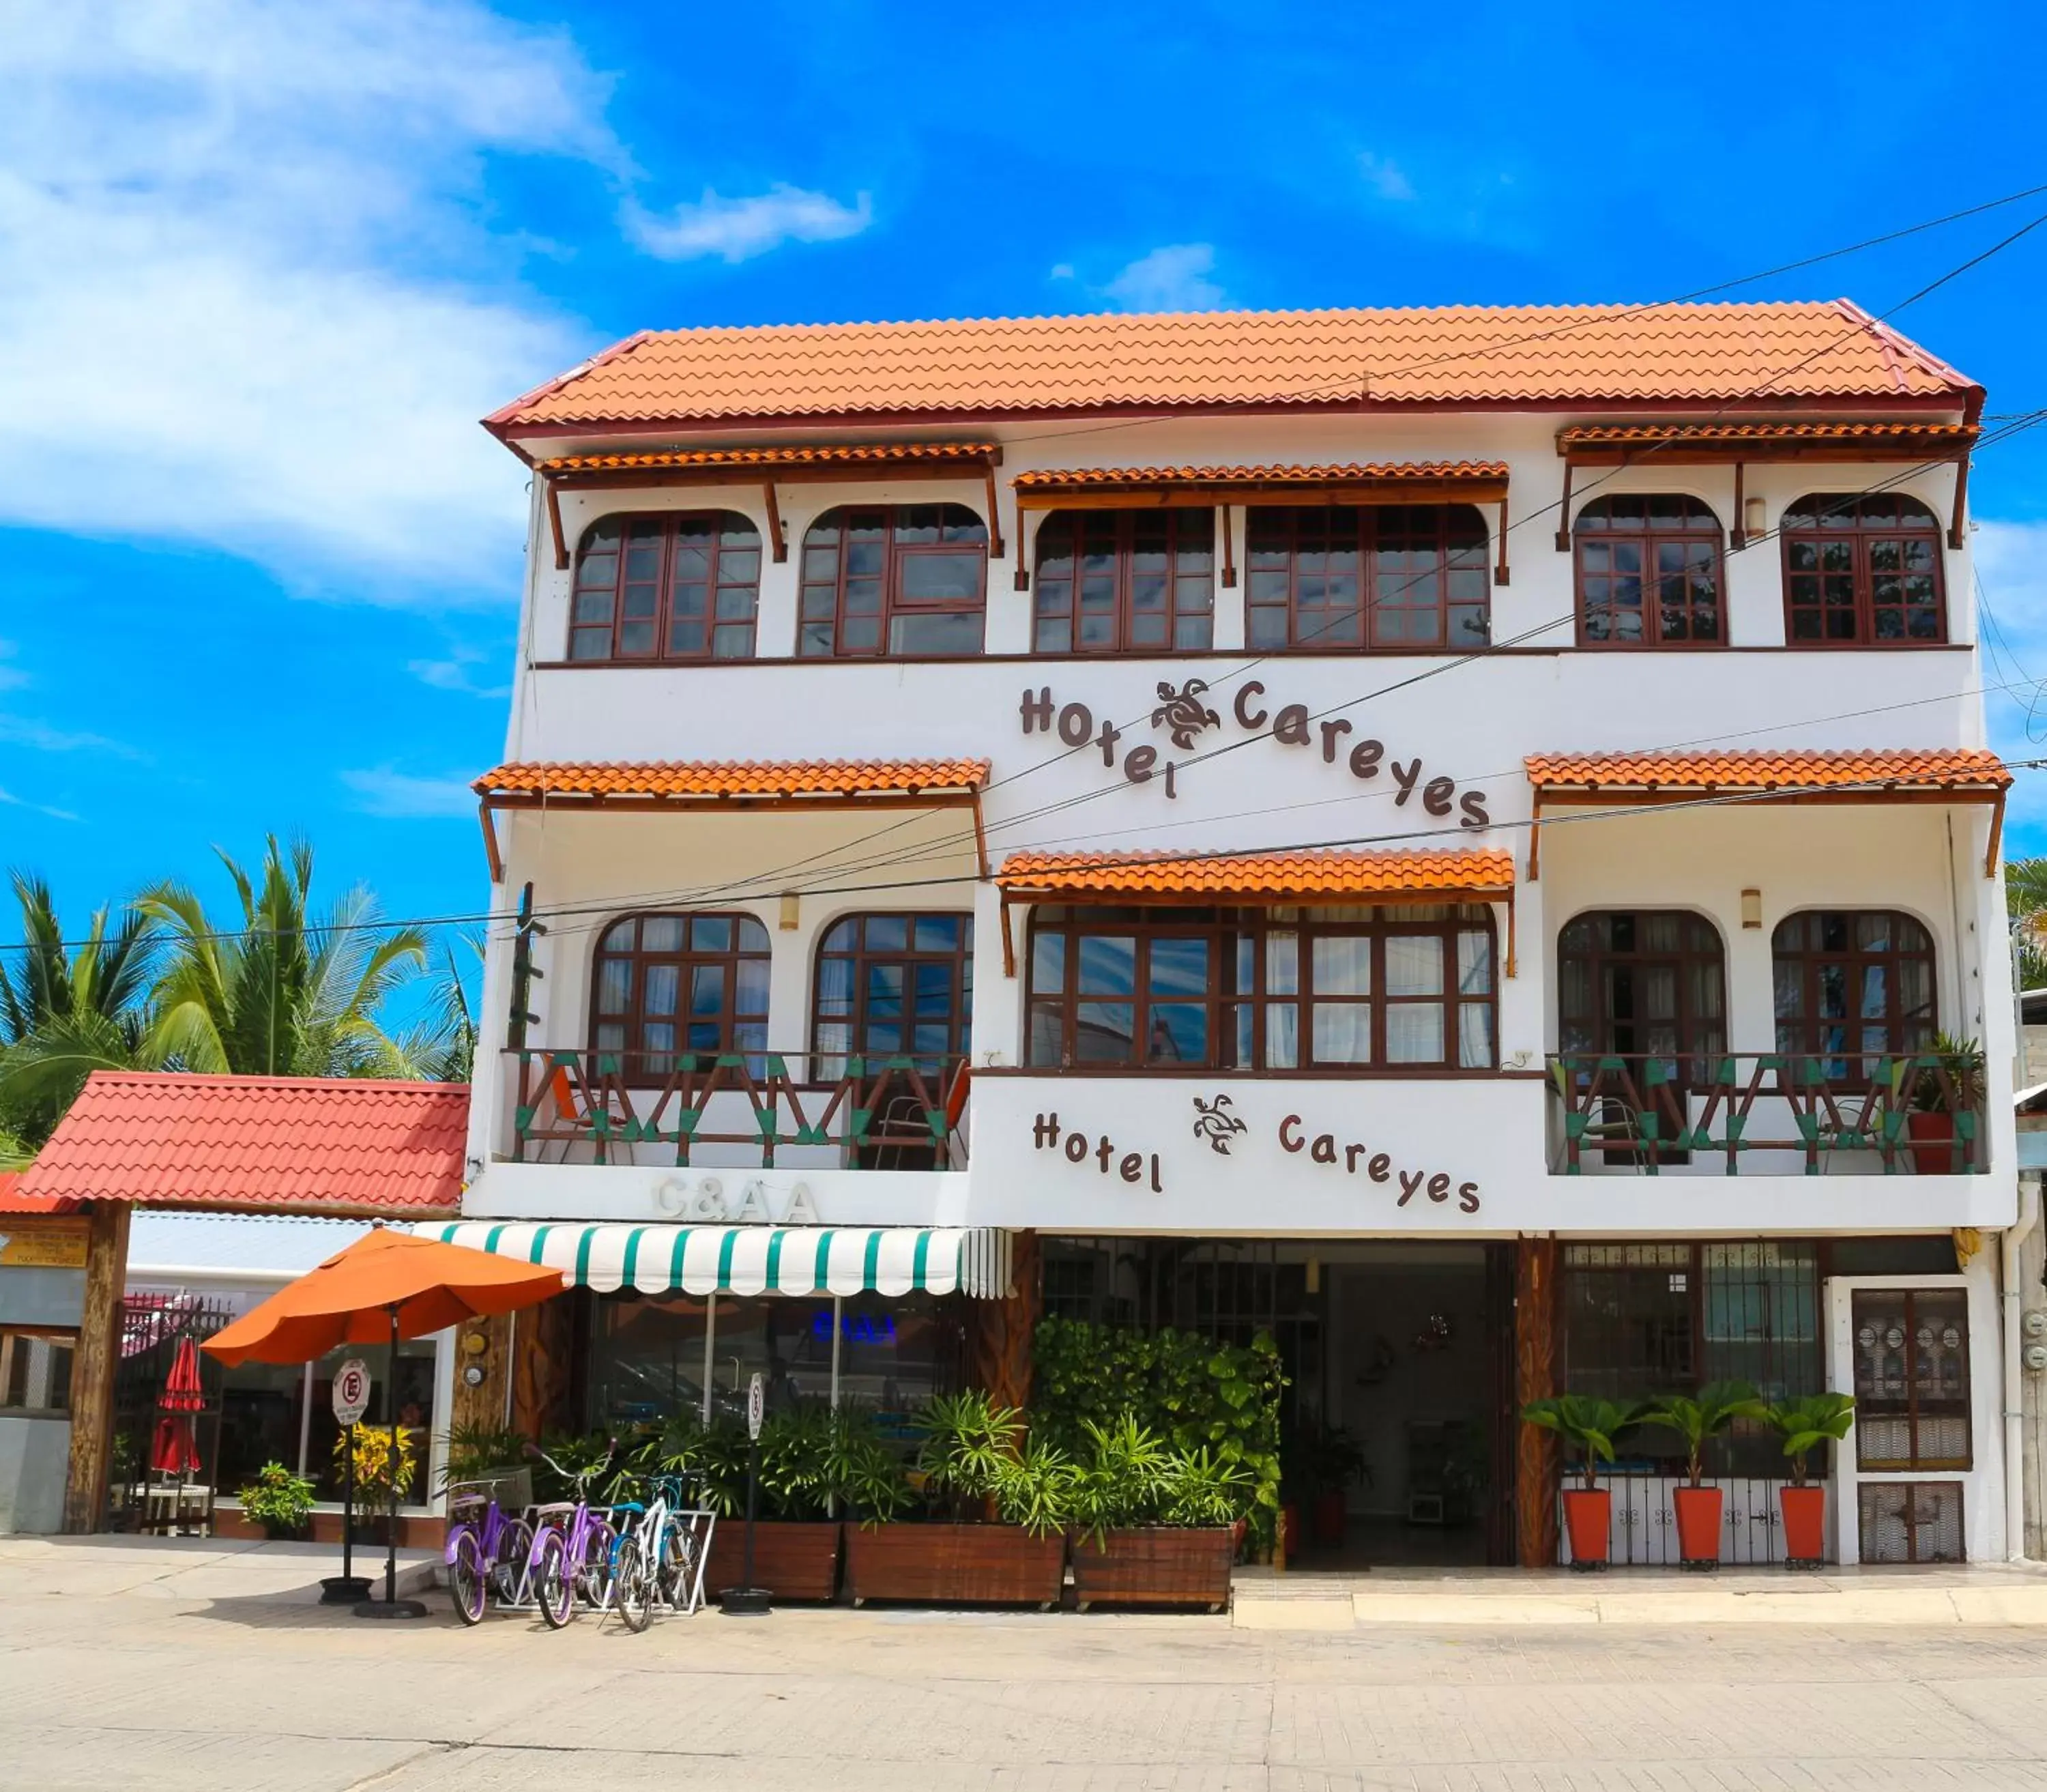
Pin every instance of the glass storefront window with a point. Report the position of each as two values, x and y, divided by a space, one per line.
260 1408
777 1338
415 1377
647 1361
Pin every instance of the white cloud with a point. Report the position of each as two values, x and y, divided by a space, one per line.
26 731
738 230
399 796
11 800
12 678
1172 278
2011 569
457 672
1385 178
1061 270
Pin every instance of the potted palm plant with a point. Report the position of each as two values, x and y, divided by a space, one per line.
1804 1424
1932 1120
1587 1425
1153 1525
1719 1405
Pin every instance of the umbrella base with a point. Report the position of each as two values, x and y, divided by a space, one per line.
390 1608
344 1589
744 1602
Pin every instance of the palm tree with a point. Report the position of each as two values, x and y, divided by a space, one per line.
279 992
2026 902
65 1015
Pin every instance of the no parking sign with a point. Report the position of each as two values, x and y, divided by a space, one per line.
351 1392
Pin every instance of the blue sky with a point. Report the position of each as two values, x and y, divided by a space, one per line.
262 267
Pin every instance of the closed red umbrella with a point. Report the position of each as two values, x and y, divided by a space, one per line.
174 1449
182 1392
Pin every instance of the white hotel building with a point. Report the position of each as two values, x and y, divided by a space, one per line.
1446 836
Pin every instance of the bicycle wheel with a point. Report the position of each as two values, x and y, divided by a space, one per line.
632 1588
508 1572
554 1582
465 1578
593 1574
679 1565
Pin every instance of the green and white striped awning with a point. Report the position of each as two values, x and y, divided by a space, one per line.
753 1260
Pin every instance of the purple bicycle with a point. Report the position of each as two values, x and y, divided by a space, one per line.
573 1548
490 1543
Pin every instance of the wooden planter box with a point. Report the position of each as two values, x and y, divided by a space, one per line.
1154 1566
792 1559
955 1564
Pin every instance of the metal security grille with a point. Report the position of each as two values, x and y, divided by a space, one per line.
1912 1379
1911 1521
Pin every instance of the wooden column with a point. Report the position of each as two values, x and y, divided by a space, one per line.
1002 1330
482 1408
543 1366
93 1367
1536 1542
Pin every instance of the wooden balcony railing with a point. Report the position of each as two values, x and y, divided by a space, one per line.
879 1112
1918 1114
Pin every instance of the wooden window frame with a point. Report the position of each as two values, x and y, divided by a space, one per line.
669 524
1073 527
637 1060
1229 934
893 607
1372 532
1855 961
1651 536
959 1022
1859 535
1915 1463
1687 955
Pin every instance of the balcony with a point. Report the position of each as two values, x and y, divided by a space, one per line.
1764 1113
761 1110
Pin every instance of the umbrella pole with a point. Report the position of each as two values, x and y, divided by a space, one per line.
391 1605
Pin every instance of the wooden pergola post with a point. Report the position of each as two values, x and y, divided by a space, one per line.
1535 1457
93 1366
1000 1340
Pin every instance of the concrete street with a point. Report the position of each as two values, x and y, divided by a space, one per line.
208 1668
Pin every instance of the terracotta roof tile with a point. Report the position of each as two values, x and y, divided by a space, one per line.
1602 435
739 778
259 1144
1430 472
1210 360
967 454
1263 874
13 1200
1916 769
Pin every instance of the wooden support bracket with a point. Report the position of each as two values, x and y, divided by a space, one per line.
554 500
1535 838
777 540
1228 547
1738 536
1564 512
1956 521
1500 570
491 850
1996 835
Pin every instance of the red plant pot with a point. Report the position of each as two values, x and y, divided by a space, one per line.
1588 1522
1329 1520
1698 1525
1805 1510
1937 1158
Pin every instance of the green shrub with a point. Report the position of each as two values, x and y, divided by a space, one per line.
278 1499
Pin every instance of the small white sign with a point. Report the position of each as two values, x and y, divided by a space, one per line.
757 1406
351 1392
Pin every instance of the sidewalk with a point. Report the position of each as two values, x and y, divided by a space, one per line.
1986 1593
206 1568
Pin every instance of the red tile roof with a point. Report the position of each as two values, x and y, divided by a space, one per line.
1266 875
739 778
1906 769
307 1145
13 1200
1908 430
968 454
1577 354
1352 473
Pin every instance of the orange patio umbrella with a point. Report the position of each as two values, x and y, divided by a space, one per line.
386 1286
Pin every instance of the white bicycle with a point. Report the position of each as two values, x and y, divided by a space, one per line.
664 1551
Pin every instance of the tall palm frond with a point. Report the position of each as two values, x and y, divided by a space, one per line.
2026 902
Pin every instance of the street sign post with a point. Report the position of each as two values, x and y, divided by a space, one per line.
351 1400
747 1600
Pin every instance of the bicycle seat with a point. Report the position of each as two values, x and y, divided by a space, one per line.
627 1506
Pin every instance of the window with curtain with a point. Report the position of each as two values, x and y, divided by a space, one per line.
1283 988
1649 572
1124 580
674 991
894 985
906 579
678 585
1862 571
1321 578
1853 986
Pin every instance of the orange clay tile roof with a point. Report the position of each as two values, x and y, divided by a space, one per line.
971 454
307 1145
1210 360
13 1200
739 778
1433 472
1914 768
1282 875
1602 435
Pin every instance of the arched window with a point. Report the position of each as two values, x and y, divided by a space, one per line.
1124 580
895 986
1852 986
1649 572
1863 572
1642 983
910 578
1325 578
676 586
1281 989
676 990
